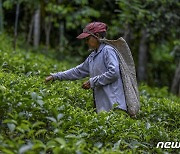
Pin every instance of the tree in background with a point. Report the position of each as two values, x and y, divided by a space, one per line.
9 4
150 22
37 18
18 2
175 87
33 21
1 17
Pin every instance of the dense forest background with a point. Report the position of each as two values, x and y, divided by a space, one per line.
151 28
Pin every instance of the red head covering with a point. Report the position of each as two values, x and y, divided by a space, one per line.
93 28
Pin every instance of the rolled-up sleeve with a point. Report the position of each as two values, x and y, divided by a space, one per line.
112 72
79 72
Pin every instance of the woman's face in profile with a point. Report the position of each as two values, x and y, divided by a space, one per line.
92 42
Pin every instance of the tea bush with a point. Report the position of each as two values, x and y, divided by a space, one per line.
59 117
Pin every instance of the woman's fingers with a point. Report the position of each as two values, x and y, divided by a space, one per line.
86 85
48 78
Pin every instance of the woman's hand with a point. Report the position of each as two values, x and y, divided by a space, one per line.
49 78
86 85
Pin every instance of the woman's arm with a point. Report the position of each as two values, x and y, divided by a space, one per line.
76 73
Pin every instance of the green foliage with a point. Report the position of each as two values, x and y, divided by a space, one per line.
59 117
8 4
74 16
161 56
1 18
156 16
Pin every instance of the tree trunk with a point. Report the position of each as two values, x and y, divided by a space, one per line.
48 30
142 57
61 30
16 23
175 88
61 34
1 17
127 34
30 30
36 38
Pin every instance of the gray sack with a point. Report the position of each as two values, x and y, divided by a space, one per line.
128 74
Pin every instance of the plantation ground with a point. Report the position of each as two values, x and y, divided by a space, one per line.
59 118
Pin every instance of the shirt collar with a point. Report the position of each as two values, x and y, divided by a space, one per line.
94 53
100 47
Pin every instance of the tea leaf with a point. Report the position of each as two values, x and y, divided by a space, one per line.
25 148
11 126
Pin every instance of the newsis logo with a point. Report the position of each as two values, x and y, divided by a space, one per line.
167 145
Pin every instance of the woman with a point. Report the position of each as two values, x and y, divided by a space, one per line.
102 65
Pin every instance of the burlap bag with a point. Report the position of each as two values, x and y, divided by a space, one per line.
128 73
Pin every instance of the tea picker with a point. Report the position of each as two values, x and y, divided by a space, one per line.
111 71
